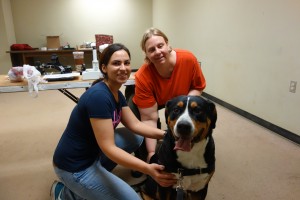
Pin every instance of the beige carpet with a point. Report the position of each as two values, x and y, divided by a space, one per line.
252 162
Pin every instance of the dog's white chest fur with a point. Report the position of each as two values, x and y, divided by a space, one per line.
194 159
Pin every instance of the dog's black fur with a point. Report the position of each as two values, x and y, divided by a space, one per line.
189 118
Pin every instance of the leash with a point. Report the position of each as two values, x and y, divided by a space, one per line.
179 188
188 172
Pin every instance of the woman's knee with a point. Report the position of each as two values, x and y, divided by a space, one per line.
128 140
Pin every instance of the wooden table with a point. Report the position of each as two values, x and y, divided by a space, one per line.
7 86
19 58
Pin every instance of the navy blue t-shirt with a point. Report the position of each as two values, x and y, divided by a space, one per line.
78 148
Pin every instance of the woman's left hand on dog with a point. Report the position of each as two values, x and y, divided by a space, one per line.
163 178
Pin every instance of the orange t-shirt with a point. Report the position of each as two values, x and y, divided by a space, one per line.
150 87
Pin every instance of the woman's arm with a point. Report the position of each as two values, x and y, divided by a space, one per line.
149 117
104 134
195 92
147 127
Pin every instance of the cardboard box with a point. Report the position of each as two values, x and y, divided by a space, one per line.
53 42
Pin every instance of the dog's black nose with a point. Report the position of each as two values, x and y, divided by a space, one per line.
184 128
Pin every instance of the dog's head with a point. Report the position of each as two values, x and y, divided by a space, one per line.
190 119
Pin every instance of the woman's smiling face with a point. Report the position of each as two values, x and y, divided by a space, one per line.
118 69
156 49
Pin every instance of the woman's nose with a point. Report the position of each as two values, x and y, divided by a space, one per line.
156 51
122 66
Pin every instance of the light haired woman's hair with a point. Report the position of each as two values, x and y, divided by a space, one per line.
148 34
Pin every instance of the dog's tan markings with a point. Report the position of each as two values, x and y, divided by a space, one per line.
194 104
201 128
180 104
205 126
200 125
171 124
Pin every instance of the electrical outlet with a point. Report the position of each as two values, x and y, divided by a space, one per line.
293 86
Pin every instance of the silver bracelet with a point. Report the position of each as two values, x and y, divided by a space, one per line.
166 132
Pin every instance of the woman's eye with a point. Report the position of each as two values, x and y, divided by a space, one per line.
151 50
116 63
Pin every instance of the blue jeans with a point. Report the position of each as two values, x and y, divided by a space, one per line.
96 181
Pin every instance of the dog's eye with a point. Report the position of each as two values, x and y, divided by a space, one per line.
176 111
201 115
197 110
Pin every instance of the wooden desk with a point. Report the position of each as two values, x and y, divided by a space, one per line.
19 58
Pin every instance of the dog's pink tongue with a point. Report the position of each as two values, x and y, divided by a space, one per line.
183 145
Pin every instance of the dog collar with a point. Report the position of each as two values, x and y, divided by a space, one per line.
191 172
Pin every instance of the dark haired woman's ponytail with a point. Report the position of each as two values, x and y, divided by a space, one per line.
98 80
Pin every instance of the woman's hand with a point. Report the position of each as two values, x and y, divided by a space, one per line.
164 179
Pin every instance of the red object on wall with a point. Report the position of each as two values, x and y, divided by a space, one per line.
103 39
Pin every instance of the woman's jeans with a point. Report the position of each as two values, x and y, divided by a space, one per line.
97 181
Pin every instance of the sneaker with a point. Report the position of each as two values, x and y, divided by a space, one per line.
55 190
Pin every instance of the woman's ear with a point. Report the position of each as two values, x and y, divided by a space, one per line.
103 67
170 48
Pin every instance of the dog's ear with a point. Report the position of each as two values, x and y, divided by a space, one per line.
167 108
212 113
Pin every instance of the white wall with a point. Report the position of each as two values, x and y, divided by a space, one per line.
78 21
250 51
7 35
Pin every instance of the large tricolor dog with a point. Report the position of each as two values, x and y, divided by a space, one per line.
188 149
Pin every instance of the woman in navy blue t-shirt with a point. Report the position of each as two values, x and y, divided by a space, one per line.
91 146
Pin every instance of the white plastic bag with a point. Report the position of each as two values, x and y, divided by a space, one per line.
15 74
33 77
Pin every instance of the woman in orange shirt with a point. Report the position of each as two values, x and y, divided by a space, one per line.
167 73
